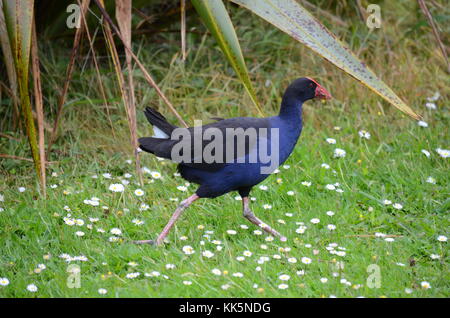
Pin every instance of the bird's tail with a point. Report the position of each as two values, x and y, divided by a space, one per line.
161 127
159 144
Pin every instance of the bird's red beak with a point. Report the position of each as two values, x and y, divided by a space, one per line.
322 93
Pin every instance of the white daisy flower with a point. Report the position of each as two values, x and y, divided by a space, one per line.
435 97
422 123
116 231
216 271
431 180
315 221
132 275
442 238
139 192
69 221
208 254
397 206
426 153
182 188
425 285
4 281
137 221
188 250
306 260
339 153
430 105
155 175
364 134
284 277
444 153
32 288
116 187
301 229
102 291
331 141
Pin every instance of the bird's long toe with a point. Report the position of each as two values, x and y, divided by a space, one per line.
143 242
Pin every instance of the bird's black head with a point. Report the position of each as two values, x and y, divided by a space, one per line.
305 88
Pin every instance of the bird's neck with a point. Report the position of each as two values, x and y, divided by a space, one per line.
291 111
289 123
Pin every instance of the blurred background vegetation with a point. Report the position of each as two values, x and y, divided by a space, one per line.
404 52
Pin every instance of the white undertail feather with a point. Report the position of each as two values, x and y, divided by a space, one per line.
158 133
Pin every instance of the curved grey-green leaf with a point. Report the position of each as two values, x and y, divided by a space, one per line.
293 19
19 20
217 20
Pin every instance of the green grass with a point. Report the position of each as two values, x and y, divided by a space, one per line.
394 170
390 165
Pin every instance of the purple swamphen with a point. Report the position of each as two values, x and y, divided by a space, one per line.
238 167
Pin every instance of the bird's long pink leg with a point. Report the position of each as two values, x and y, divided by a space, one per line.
183 205
249 215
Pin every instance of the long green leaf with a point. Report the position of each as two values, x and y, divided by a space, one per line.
217 20
19 20
293 19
